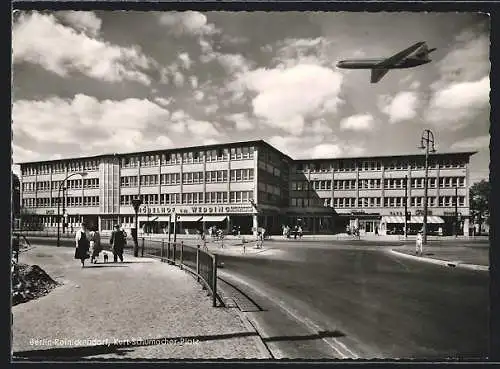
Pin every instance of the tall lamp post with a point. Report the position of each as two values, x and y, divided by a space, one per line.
136 203
427 143
83 174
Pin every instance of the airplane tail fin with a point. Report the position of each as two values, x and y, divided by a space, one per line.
424 51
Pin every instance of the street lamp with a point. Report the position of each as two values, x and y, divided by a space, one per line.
426 140
136 203
83 174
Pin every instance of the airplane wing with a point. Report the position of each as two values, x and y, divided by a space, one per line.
399 56
377 74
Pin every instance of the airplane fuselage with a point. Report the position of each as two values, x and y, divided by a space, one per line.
372 63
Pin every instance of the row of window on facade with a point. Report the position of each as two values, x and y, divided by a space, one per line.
271 169
51 220
71 201
375 165
236 175
60 167
374 184
219 197
368 202
87 183
188 157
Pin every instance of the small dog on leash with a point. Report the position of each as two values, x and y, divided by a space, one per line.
105 256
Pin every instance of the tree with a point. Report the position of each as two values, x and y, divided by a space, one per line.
479 196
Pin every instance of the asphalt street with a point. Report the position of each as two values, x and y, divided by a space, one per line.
384 306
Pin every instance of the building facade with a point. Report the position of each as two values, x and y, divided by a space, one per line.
247 185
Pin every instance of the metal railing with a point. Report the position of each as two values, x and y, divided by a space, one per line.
202 264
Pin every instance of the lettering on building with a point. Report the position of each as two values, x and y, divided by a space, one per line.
216 209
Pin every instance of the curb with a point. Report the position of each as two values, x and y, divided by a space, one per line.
450 264
343 351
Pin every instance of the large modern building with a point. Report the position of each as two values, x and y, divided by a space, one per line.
248 185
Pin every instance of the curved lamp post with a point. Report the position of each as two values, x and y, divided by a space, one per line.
427 143
83 174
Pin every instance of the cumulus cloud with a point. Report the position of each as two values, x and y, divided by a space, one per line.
186 60
193 80
211 109
285 96
188 22
85 122
359 122
241 120
199 95
468 59
178 79
312 146
401 107
201 127
83 21
459 102
40 39
473 143
162 101
233 62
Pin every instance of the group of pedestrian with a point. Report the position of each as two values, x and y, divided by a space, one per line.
296 231
88 244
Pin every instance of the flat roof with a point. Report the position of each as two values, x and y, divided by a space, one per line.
157 151
240 143
401 155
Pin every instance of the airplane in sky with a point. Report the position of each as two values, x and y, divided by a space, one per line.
413 56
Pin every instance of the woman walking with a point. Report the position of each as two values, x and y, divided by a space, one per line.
95 245
82 244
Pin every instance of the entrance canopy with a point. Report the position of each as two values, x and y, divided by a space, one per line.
414 219
214 218
188 218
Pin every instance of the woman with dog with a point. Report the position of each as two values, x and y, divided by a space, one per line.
82 244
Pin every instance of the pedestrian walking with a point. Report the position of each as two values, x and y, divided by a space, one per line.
295 231
95 246
82 240
418 244
299 231
118 241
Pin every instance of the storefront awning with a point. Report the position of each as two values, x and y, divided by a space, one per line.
213 218
188 218
414 219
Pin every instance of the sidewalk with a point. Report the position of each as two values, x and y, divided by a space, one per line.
102 310
470 257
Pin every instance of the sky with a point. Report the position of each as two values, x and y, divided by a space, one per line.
89 83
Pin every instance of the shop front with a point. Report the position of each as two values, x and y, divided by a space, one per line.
395 225
195 218
366 223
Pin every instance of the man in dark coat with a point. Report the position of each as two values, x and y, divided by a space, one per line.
118 242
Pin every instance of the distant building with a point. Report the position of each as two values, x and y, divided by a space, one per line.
249 184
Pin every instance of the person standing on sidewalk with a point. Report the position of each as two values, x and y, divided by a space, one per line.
418 244
82 240
118 242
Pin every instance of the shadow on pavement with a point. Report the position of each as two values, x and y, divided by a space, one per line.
319 335
110 265
119 347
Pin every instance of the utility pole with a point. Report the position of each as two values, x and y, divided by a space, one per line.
426 140
406 207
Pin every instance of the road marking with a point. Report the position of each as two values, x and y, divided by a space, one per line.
347 354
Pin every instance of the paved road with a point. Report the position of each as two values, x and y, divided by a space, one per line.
384 305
